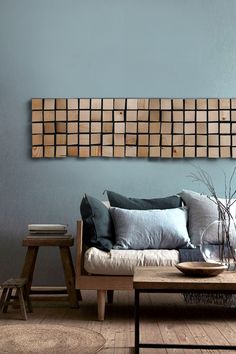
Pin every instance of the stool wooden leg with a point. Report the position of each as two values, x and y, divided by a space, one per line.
69 273
27 299
29 265
3 298
101 298
8 298
22 303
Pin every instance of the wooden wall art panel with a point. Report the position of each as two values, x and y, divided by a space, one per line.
128 127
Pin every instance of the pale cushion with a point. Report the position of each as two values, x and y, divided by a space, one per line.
123 262
150 229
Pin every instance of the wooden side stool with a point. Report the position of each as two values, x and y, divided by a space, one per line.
21 294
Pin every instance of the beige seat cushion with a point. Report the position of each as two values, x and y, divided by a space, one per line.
123 262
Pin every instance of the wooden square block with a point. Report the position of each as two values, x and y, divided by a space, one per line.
84 139
178 128
96 127
37 104
201 140
189 103
233 103
234 140
119 116
225 140
234 152
165 103
165 116
60 151
131 127
143 127
143 115
60 116
37 116
84 151
119 103
166 128
131 151
73 116
178 140
107 151
96 103
72 151
178 152
143 151
96 116
131 115
49 151
48 139
95 139
72 139
224 128
37 152
107 116
37 128
119 128
73 103
107 127
178 116
143 103
201 116
49 116
143 139
166 140
154 139
84 116
202 103
84 103
225 115
213 152
201 152
233 131
73 127
225 152
201 128
119 151
107 103
61 103
190 140
213 128
166 152
96 151
49 128
189 116
233 116
37 139
132 103
178 103
189 151
213 103
107 139
154 151
213 116
154 103
224 103
49 103
60 127
131 139
189 128
119 139
154 128
61 139
155 116
213 140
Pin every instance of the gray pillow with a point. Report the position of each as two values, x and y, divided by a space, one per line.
202 211
155 229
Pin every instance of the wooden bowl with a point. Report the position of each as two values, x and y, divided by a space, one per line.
201 269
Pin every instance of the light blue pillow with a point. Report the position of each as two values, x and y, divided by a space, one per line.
150 229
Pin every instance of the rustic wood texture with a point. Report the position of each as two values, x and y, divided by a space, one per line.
130 127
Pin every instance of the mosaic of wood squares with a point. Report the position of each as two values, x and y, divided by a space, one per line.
128 127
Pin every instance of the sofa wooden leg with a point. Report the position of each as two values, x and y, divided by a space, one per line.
101 297
110 294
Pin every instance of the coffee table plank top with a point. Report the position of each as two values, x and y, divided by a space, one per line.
170 278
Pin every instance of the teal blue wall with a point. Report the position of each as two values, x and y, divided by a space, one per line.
105 48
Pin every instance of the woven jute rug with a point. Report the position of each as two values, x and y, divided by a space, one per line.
48 339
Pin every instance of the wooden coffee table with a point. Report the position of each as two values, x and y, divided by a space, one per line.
171 280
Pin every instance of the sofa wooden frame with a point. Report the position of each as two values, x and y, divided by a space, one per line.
104 284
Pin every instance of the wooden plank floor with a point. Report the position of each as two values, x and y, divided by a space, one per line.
165 318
